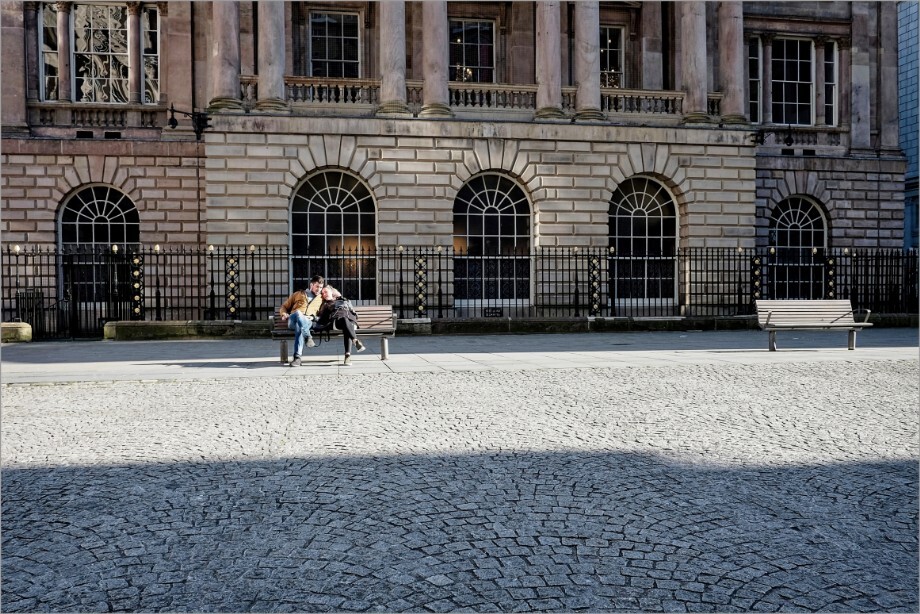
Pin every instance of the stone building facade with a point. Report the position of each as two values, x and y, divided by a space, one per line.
647 126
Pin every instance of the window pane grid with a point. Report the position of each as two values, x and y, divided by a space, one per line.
334 45
612 57
100 37
754 83
472 51
792 82
150 54
49 47
642 233
830 84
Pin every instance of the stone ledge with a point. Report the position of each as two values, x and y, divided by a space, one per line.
15 332
185 329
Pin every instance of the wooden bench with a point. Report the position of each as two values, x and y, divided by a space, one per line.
373 320
773 316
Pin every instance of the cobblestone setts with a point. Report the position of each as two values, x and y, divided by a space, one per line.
695 488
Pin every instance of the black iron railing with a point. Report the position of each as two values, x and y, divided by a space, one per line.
73 293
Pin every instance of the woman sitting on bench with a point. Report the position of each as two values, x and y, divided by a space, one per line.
336 312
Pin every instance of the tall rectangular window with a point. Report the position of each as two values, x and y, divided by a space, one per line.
49 47
150 54
100 39
612 57
472 51
830 84
793 81
334 45
755 91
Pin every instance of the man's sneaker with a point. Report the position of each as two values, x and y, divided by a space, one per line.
347 362
310 342
359 347
296 361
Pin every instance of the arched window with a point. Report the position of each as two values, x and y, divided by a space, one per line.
333 230
99 217
642 227
797 223
795 269
492 239
94 221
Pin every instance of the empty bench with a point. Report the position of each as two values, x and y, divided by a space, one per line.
774 316
373 321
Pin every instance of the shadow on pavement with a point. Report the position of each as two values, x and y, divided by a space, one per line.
491 532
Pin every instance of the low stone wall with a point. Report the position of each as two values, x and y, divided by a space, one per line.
236 329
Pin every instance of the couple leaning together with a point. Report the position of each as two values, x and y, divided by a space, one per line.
317 308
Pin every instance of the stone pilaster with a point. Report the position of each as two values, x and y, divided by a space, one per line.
587 61
135 63
731 61
652 63
820 97
272 98
766 105
888 76
65 73
435 51
393 58
225 56
549 61
32 56
693 60
860 79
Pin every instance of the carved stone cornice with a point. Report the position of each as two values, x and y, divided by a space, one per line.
163 9
134 8
63 7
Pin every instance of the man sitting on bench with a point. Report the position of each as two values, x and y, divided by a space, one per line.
299 311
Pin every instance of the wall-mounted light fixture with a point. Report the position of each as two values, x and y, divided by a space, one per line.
760 137
200 120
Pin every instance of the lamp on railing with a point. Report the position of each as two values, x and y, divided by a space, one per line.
200 120
760 136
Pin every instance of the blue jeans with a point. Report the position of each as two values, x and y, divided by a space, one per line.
299 323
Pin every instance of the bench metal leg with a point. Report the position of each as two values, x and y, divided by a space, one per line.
284 354
384 348
771 340
851 341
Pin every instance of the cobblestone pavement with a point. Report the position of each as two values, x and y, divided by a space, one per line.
688 487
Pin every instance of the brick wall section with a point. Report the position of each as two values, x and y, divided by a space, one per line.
254 165
863 198
160 178
569 173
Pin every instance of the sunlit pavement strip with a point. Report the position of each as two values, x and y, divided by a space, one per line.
605 472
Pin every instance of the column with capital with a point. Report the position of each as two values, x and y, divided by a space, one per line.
135 69
435 51
225 56
272 97
587 61
549 61
393 58
731 61
693 56
65 75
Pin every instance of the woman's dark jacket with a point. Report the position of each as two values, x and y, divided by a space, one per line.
330 311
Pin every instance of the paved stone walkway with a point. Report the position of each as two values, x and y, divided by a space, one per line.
766 482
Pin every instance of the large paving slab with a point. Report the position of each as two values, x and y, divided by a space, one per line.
623 472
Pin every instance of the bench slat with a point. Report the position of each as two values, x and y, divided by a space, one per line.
774 315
